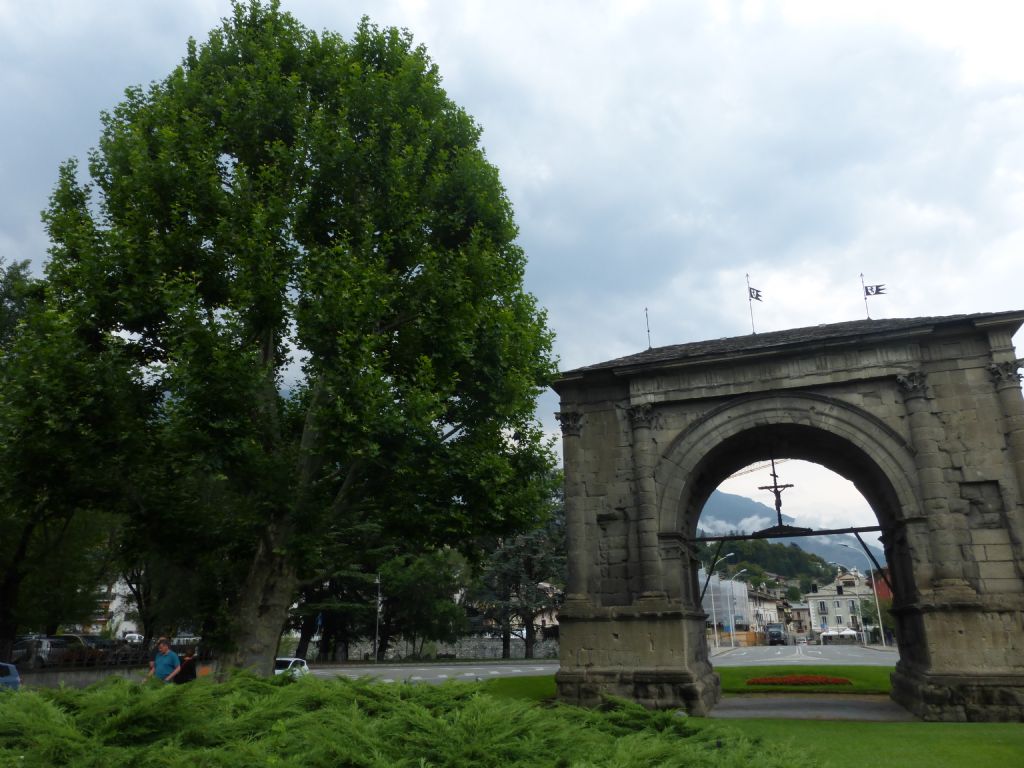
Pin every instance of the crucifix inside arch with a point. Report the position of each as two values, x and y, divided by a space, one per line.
776 489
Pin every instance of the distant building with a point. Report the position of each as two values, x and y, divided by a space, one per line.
765 608
726 602
837 606
800 619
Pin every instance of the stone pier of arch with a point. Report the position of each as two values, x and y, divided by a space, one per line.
924 415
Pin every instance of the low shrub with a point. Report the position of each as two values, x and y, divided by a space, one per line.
249 721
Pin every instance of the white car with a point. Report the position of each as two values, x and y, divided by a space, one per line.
288 665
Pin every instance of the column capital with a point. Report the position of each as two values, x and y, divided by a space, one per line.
913 384
640 416
1006 372
571 422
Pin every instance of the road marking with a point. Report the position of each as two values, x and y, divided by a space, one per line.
493 672
442 677
386 680
469 674
415 677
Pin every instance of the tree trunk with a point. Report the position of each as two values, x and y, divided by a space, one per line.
8 621
506 636
529 635
267 594
385 641
341 649
306 632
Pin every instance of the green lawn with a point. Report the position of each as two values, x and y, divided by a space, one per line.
873 680
863 679
841 744
533 688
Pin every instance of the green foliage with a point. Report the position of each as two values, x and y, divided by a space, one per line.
419 597
313 723
759 556
301 246
523 577
66 412
15 290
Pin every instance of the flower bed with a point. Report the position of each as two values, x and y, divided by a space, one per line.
799 680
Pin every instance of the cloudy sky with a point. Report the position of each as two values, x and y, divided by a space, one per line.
656 151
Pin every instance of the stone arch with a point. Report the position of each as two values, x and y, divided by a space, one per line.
841 437
847 440
923 415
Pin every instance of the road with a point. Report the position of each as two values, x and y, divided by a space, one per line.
762 655
725 657
440 672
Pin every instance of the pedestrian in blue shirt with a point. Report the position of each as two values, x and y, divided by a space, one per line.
165 665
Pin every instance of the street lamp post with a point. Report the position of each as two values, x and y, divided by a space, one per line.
732 607
874 591
714 618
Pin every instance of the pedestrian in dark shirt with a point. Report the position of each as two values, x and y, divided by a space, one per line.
188 668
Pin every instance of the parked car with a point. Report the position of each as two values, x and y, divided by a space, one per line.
133 638
286 665
9 677
83 650
37 652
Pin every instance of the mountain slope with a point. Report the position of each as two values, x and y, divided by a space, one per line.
726 512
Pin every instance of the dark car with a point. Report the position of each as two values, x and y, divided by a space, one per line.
85 650
777 634
9 677
37 652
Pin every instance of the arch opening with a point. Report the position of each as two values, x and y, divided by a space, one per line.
790 441
789 591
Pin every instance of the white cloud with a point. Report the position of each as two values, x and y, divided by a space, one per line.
656 152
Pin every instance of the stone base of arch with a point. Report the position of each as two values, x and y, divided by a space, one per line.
964 662
960 698
654 653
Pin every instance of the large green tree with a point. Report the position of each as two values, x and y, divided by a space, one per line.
302 245
64 413
522 579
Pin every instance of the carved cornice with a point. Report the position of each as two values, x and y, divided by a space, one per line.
571 421
1006 372
641 416
913 384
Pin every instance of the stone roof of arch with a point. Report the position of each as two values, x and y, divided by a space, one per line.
833 334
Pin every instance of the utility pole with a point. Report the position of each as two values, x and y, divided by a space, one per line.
732 606
376 636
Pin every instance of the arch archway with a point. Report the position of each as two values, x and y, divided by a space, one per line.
925 417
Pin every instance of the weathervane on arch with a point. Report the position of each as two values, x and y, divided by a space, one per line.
870 290
753 294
